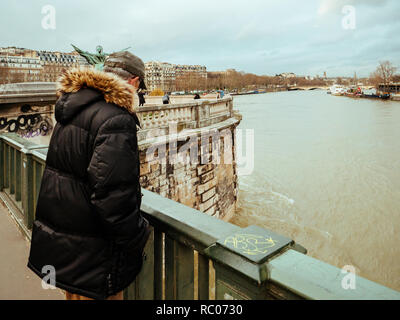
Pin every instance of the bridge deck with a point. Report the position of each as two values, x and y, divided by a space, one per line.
17 282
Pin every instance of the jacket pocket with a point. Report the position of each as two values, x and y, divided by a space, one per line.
134 249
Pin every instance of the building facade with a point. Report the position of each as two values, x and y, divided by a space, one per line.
201 71
54 63
25 65
19 65
171 77
160 75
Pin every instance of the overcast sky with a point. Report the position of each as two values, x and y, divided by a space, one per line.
258 36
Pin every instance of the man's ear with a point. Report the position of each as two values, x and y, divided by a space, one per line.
134 82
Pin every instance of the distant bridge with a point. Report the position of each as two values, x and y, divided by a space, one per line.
308 88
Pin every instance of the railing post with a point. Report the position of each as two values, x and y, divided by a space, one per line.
203 278
240 262
11 170
17 168
143 286
27 188
6 182
158 265
179 271
2 169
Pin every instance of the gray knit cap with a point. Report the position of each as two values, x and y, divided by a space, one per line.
126 65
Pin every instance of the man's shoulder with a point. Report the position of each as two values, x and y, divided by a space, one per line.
110 116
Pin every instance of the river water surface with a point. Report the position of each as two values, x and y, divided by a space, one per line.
326 174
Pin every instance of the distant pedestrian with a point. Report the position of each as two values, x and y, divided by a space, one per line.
165 98
142 101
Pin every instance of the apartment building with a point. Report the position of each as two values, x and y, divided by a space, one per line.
25 65
160 75
170 77
200 71
19 65
54 63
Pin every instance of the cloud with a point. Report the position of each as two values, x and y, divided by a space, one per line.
264 37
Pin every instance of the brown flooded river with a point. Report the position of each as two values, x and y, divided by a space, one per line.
327 174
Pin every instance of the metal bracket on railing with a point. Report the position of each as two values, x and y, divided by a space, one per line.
242 256
254 243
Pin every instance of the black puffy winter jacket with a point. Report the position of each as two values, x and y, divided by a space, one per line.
88 224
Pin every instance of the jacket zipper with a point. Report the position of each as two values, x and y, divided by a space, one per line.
109 284
109 276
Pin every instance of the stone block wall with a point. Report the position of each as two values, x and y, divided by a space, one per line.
200 182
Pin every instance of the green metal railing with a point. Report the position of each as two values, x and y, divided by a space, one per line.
191 255
21 166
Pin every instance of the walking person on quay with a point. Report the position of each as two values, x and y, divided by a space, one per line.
88 224
142 101
165 98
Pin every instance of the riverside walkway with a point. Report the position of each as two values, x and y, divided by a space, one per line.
17 282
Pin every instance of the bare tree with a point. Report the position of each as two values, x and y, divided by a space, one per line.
383 74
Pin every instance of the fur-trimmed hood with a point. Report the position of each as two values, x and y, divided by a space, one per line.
114 89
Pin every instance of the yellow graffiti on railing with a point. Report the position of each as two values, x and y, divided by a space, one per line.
250 244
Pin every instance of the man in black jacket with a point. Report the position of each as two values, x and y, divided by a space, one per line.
88 225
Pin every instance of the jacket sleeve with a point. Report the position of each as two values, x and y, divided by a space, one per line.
113 174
